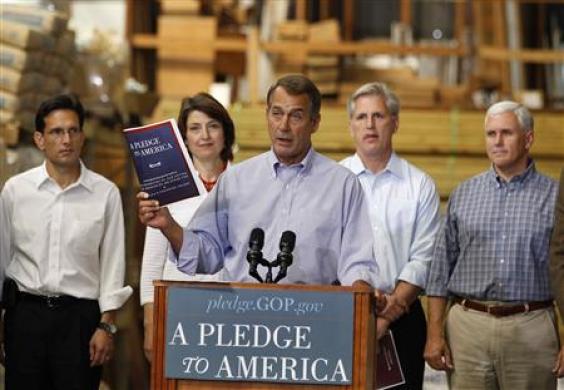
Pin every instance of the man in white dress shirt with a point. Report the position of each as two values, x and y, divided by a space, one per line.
404 212
62 260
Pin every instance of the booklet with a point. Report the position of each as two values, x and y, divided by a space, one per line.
164 168
388 369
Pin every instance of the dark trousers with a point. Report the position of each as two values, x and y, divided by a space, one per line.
410 335
47 347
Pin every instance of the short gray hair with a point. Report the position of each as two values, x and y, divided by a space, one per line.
376 89
522 113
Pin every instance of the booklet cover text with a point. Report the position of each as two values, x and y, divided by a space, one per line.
164 168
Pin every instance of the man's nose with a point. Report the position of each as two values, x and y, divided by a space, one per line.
285 122
66 137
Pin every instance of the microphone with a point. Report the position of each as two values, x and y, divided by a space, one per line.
285 257
254 255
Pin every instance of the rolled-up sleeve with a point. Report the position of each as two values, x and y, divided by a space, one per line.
427 225
113 293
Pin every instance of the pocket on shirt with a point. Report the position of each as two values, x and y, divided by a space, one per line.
84 234
400 216
539 230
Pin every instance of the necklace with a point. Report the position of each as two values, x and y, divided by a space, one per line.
208 184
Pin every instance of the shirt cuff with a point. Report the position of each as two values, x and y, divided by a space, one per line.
114 299
187 259
435 290
415 273
362 274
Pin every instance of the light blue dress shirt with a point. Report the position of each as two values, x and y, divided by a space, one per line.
404 211
322 202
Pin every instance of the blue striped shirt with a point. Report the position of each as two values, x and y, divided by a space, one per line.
493 244
319 200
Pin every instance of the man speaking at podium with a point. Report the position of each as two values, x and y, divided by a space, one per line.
290 187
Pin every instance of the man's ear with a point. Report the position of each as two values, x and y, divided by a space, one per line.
315 123
396 123
39 140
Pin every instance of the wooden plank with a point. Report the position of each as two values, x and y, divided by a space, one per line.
252 65
152 41
301 10
405 12
449 145
536 56
348 20
361 47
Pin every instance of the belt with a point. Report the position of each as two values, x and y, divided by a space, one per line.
503 310
50 301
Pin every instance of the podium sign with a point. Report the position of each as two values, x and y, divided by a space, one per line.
259 335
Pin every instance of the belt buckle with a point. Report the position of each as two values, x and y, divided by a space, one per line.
463 304
51 301
488 310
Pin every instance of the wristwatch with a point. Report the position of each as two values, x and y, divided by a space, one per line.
110 329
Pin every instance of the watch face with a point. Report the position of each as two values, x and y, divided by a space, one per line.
110 328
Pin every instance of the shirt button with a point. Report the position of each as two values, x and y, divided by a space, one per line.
502 261
504 236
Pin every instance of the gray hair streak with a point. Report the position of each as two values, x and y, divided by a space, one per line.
522 113
376 89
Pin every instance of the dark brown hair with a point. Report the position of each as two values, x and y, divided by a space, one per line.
211 107
59 102
297 84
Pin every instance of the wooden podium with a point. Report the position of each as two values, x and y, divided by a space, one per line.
363 338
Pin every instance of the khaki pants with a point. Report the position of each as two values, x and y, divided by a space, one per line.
516 352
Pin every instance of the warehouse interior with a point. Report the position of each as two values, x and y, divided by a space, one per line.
132 61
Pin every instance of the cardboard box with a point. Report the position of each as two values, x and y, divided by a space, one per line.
65 44
182 27
14 103
191 7
319 74
13 81
18 59
180 79
34 17
325 31
9 135
166 108
530 98
292 30
24 37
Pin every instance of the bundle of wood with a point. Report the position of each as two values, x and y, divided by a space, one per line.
36 55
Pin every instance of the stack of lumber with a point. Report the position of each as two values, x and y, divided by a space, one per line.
412 91
447 144
323 70
37 51
183 70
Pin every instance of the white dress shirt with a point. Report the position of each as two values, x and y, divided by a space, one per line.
404 213
155 263
64 241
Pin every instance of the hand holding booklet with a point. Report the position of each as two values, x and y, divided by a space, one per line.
388 369
164 168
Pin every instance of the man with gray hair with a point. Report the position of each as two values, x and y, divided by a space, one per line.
491 262
404 214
